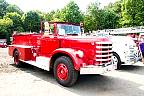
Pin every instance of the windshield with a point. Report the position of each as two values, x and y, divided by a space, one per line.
68 29
2 42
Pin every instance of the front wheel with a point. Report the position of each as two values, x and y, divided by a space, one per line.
64 71
116 60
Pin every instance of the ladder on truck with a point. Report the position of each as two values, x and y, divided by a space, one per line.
128 30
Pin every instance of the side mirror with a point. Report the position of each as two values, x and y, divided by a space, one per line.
61 32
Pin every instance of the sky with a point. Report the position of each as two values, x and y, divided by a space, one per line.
48 5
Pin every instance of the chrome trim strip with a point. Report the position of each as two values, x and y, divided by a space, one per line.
103 59
103 47
103 42
104 51
104 55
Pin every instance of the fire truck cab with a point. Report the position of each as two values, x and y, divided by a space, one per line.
63 50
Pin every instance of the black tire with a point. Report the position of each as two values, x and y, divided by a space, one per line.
116 56
17 62
72 74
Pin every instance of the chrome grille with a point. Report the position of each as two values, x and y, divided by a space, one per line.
103 52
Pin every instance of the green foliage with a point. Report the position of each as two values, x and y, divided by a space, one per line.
3 6
115 9
54 16
132 13
17 22
49 16
13 8
57 16
9 22
31 21
122 13
5 25
109 19
106 18
88 23
92 18
71 13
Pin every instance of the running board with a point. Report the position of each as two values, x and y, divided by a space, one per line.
41 62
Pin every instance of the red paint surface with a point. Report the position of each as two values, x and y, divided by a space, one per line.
62 72
49 45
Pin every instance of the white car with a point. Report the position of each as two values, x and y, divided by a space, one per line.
125 51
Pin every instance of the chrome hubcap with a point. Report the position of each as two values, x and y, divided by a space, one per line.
114 60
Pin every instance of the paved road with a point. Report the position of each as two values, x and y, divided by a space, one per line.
31 81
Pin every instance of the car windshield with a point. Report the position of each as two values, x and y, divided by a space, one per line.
2 42
68 29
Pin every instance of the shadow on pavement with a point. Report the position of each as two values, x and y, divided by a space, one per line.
133 69
94 85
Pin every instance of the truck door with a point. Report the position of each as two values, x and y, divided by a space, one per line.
49 42
48 45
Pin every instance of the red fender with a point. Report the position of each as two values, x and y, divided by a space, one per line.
72 54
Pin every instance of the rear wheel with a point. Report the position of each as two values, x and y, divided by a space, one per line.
116 60
64 71
17 62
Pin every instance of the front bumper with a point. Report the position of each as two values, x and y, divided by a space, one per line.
129 60
91 69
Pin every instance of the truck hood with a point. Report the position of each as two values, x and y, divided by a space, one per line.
122 40
87 38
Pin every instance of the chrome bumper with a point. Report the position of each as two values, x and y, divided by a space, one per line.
91 69
132 59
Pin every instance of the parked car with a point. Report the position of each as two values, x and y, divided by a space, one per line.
125 50
3 44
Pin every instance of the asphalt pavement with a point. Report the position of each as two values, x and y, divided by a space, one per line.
32 81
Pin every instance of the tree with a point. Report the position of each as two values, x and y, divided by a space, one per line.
57 16
92 18
132 13
140 13
109 19
71 13
49 16
88 23
14 8
115 8
17 22
3 6
5 24
5 31
54 16
31 21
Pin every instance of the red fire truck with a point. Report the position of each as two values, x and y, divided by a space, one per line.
62 49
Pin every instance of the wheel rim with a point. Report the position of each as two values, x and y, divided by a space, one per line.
16 58
62 72
114 60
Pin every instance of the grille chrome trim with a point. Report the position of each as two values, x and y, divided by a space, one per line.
103 42
104 55
104 51
104 47
103 59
